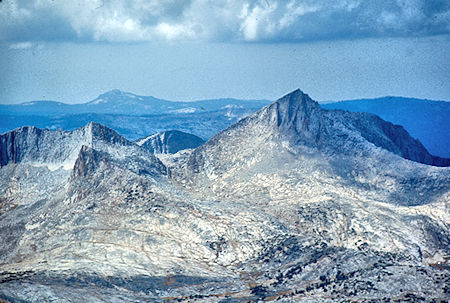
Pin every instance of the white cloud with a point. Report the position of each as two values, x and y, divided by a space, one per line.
220 20
257 21
174 31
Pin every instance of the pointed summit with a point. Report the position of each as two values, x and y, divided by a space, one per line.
291 105
296 127
297 98
296 113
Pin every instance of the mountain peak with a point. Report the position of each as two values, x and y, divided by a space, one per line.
297 99
295 119
113 92
114 96
296 112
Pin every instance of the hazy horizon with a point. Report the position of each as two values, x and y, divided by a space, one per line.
218 98
333 50
78 73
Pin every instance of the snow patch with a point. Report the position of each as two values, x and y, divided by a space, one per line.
28 103
66 165
142 141
232 106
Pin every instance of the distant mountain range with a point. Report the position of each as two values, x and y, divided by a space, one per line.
124 103
131 115
293 203
136 116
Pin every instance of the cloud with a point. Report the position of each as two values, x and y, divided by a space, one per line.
219 20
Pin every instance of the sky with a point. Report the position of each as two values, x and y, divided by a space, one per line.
72 51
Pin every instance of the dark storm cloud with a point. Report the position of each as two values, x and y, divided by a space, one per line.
220 20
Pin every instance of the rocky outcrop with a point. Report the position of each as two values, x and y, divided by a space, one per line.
87 161
98 132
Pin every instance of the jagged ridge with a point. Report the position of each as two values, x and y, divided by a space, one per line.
295 137
42 146
299 119
423 119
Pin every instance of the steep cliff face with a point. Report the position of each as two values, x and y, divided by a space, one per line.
36 162
170 142
16 144
296 115
30 144
87 161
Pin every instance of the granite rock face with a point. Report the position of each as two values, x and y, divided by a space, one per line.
293 203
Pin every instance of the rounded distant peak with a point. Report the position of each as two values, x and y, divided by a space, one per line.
114 92
175 132
112 97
